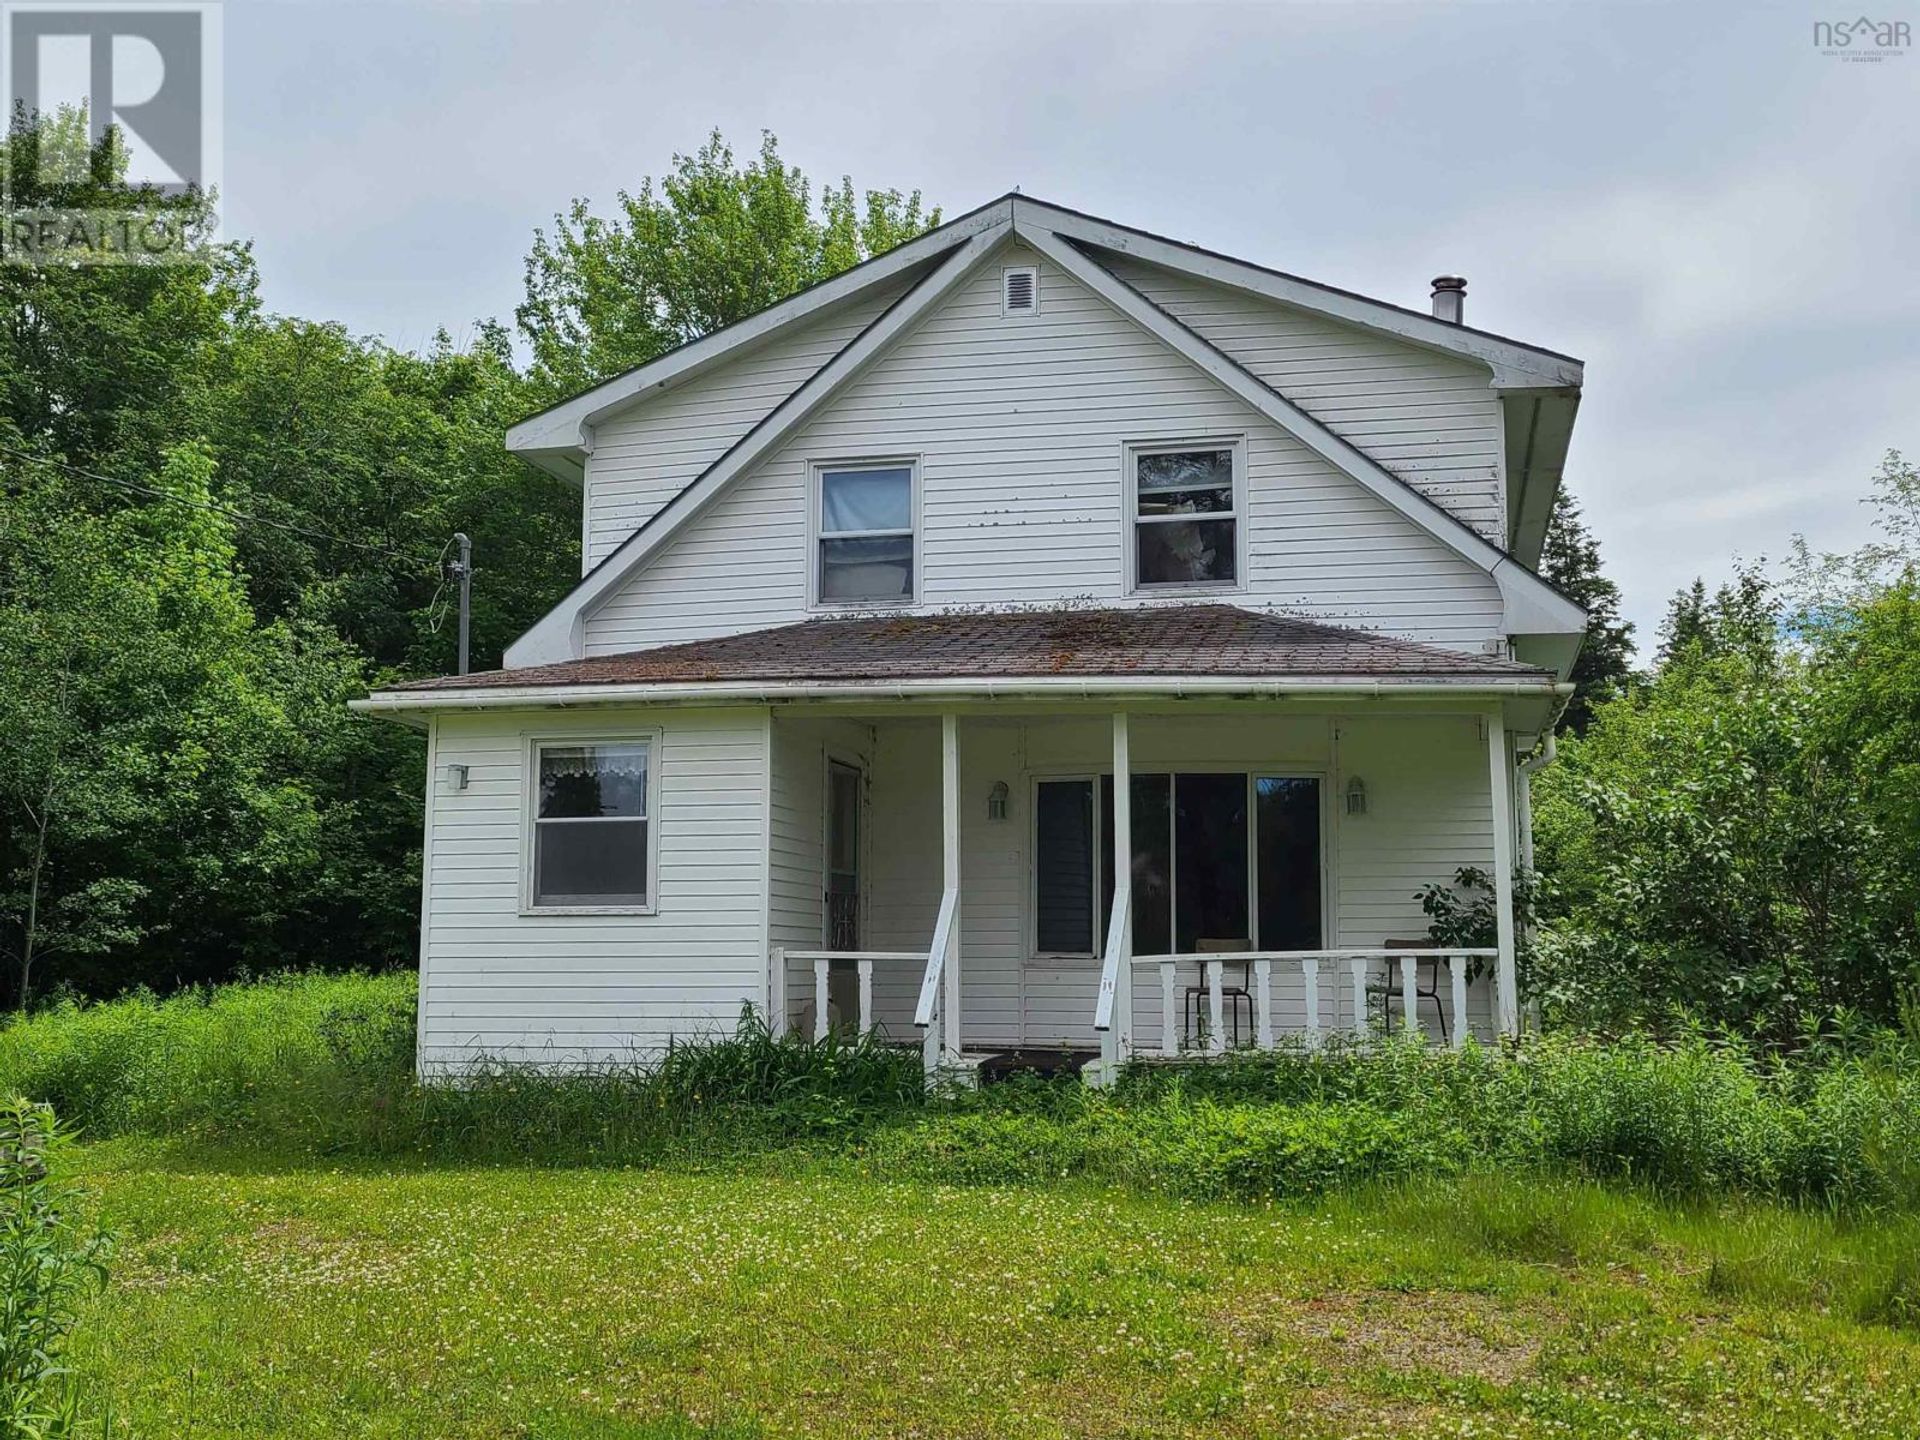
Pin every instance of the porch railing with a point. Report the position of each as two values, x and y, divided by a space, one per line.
823 962
930 1013
1358 962
1113 959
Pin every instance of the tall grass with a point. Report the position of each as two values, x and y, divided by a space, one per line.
1697 1119
278 1057
325 1065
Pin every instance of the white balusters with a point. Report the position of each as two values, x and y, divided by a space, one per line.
1457 967
1320 1013
1310 977
865 967
820 999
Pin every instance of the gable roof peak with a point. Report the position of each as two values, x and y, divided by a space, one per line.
560 437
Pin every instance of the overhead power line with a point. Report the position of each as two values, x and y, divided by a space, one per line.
433 563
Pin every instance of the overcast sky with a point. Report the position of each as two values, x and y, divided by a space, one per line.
1721 221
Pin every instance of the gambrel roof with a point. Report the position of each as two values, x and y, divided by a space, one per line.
1538 390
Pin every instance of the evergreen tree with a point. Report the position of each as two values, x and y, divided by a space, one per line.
1570 561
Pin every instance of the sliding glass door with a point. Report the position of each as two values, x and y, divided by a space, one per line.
1220 860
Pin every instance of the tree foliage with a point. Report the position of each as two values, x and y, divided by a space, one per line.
218 525
710 244
1739 839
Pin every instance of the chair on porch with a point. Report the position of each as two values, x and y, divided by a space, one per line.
1384 990
1193 1007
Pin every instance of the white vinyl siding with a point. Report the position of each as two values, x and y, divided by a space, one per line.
1429 418
735 878
1020 426
582 989
652 450
1429 814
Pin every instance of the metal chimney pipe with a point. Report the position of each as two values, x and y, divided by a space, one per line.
1449 298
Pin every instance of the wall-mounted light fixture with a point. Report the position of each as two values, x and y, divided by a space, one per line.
997 801
456 776
1356 796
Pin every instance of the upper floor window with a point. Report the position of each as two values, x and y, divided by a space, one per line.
865 528
591 816
1185 503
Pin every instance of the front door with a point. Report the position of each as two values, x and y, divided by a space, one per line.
843 885
843 856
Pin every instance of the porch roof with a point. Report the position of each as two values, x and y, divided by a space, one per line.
1159 640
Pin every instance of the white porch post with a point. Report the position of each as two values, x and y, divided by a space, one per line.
1500 780
950 873
1119 1036
1523 817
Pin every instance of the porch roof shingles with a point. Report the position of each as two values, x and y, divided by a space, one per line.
1170 640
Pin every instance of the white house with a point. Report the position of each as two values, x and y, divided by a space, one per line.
1043 636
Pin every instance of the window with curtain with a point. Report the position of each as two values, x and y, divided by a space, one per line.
1216 857
1185 516
866 534
590 824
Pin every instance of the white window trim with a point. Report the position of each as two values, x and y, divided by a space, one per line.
1254 771
1131 520
815 534
1010 270
530 811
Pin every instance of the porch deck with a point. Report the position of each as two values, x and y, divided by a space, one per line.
1052 917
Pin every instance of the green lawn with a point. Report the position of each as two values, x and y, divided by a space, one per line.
256 1301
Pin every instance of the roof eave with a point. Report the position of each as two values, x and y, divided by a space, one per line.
1513 363
565 429
748 692
1538 427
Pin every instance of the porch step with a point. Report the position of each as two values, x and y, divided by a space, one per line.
1004 1064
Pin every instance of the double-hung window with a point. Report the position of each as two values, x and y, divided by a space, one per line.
1219 859
592 825
1184 508
865 527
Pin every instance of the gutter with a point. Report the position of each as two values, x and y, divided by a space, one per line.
1543 754
402 702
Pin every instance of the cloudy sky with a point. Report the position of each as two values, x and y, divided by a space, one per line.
1723 222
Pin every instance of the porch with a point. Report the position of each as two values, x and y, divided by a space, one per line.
961 880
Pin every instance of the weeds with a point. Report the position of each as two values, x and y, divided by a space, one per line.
48 1267
319 1065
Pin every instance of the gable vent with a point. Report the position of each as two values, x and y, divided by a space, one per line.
1019 290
